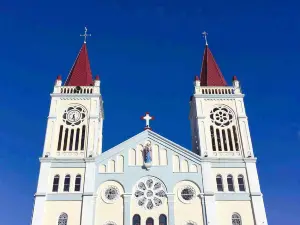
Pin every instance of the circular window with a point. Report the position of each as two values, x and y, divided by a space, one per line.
150 193
186 194
221 116
111 194
74 115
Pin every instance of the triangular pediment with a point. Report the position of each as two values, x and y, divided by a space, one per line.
154 139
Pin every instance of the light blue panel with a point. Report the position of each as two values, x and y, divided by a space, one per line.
64 197
232 197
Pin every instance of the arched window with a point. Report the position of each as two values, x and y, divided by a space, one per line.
241 183
230 183
212 138
63 219
77 183
219 183
55 183
67 183
82 138
236 219
136 220
162 219
59 138
149 221
66 139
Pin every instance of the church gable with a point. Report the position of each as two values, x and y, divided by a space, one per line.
161 153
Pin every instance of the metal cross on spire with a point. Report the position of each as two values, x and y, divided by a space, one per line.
204 33
85 34
147 118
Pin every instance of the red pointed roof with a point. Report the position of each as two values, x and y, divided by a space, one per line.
80 74
211 74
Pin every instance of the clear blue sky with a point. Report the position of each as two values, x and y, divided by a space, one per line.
147 53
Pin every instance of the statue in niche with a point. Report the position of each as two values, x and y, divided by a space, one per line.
147 151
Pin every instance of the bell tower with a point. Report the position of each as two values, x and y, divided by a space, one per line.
218 119
220 135
75 119
73 139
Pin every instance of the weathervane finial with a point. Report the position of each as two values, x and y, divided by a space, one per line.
205 37
85 35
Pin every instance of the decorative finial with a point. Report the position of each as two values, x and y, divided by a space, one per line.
85 34
205 37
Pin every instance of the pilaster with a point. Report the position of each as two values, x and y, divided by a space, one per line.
38 209
257 201
210 206
202 133
259 210
171 217
89 179
88 209
209 198
126 213
244 127
42 186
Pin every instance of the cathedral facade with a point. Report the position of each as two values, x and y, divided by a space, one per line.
148 179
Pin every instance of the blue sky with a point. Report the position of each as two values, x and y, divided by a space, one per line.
147 53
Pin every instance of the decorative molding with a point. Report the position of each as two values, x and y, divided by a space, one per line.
219 96
74 96
256 194
228 165
68 165
88 194
39 194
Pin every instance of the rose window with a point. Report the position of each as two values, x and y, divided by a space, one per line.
221 116
150 193
74 115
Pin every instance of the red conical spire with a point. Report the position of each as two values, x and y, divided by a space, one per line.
211 74
80 74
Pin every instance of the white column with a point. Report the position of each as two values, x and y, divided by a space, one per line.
171 217
126 201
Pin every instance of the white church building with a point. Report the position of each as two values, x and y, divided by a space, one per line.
148 179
